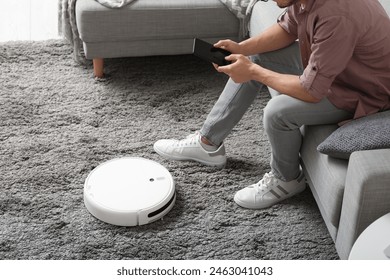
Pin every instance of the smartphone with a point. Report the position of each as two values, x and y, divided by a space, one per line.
208 52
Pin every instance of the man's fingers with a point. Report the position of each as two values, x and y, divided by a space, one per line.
221 44
232 57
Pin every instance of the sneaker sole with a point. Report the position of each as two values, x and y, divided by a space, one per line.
167 156
249 206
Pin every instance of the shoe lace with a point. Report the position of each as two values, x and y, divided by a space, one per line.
266 183
190 140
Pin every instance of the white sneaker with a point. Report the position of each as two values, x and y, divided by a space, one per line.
190 148
269 191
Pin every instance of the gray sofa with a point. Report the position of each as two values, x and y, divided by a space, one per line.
150 27
351 194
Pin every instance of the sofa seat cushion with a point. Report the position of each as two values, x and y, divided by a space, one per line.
155 19
326 174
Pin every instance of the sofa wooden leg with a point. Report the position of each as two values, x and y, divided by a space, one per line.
98 65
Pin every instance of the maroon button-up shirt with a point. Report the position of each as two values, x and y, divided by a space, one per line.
345 49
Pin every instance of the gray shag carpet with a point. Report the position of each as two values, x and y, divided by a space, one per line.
57 123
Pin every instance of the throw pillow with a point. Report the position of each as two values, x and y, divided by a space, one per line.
367 133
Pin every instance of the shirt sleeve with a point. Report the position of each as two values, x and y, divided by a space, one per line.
287 21
333 45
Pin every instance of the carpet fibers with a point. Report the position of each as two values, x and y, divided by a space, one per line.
57 123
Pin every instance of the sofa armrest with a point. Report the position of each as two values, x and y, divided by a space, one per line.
366 196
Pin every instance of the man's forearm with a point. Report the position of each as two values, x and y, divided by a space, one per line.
273 38
283 83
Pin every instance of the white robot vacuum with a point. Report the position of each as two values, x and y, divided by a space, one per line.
129 191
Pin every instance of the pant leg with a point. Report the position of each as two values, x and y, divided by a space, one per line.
235 99
229 109
283 117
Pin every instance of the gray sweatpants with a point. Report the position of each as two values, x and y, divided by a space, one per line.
283 115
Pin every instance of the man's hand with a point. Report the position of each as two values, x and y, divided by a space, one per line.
228 45
240 70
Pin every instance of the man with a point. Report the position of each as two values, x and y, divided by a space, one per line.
340 71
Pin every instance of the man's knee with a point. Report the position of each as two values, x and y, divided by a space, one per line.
277 114
286 60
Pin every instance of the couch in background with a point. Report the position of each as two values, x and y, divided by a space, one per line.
150 27
353 192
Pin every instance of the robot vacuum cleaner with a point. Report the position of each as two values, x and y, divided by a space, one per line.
129 191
